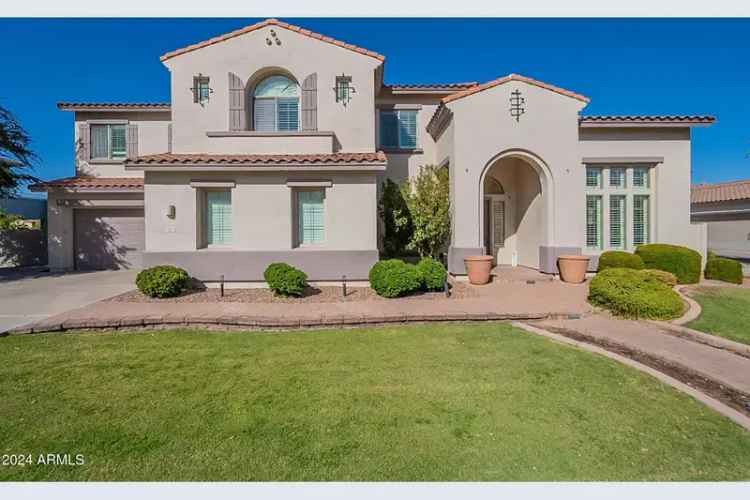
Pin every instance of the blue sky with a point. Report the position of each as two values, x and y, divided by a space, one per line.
626 66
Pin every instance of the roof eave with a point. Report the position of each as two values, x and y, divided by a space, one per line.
296 167
630 124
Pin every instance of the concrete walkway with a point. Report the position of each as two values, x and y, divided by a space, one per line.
716 364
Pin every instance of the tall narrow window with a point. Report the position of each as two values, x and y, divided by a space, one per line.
640 219
593 177
617 221
617 177
310 217
276 105
398 129
201 89
594 221
108 142
218 217
640 177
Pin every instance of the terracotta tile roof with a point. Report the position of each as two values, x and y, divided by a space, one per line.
271 22
134 183
516 78
113 106
640 119
265 159
720 191
432 86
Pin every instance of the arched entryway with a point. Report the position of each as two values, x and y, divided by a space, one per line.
515 210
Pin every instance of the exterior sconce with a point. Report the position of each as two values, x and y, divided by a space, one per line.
344 89
200 89
171 211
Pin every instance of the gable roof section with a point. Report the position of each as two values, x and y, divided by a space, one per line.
515 78
430 87
263 24
720 191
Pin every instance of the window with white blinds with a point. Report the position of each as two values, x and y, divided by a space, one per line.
617 221
594 221
641 177
310 217
276 105
593 177
640 219
617 177
108 141
218 217
398 129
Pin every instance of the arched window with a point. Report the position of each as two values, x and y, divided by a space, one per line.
276 104
492 186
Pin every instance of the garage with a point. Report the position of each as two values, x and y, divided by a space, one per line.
108 238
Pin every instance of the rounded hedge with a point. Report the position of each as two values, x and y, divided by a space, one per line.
285 280
162 281
634 294
720 268
432 273
665 277
394 278
617 258
683 262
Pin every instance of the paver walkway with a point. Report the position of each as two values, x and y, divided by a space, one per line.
716 364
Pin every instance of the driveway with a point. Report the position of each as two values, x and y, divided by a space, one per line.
31 296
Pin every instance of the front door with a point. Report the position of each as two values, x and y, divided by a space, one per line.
497 221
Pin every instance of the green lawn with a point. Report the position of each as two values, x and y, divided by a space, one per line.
438 402
724 312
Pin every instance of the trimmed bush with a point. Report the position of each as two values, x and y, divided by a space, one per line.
683 262
162 281
634 294
665 277
394 278
720 268
616 258
284 279
432 273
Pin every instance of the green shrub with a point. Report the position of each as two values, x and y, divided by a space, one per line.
162 281
394 278
432 273
719 268
665 277
616 258
284 279
683 262
634 294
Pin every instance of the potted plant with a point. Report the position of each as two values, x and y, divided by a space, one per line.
478 268
573 268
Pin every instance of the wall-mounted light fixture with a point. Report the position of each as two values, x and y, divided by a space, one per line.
171 211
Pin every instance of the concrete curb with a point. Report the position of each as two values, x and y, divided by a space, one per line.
266 323
694 309
704 338
712 403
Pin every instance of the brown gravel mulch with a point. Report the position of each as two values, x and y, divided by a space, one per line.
312 295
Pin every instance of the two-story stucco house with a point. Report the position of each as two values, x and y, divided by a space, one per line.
276 140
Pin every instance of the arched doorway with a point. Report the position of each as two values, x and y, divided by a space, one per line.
515 214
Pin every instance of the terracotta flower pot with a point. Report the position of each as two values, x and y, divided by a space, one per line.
478 268
573 268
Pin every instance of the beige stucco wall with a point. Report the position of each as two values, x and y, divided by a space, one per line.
153 138
261 210
248 54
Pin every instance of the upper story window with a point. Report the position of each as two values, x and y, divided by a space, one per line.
276 104
201 89
398 129
108 142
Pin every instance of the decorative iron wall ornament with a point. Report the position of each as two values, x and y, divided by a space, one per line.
200 89
343 89
516 105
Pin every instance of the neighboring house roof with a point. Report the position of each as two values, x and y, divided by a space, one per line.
430 87
516 78
647 119
271 22
720 191
166 159
75 183
113 106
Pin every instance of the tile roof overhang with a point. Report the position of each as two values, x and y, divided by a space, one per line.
83 183
645 120
271 22
429 88
113 106
720 191
375 161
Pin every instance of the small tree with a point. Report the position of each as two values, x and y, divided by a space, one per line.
15 154
396 219
427 198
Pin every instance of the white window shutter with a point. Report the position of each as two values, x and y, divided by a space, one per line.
309 104
84 142
132 140
264 115
236 103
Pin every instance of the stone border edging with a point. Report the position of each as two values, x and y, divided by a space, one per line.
694 309
712 403
704 338
268 322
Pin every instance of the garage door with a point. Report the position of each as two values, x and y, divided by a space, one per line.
108 239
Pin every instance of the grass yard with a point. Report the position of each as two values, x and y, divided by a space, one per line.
425 402
724 312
